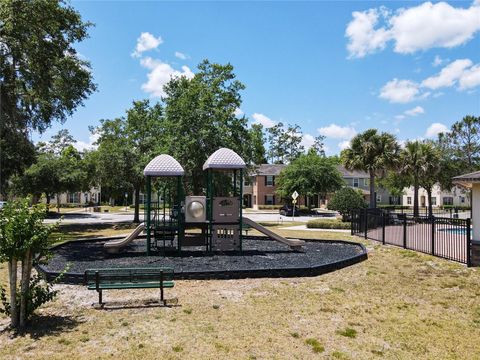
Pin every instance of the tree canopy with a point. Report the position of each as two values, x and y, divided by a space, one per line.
373 153
310 174
42 77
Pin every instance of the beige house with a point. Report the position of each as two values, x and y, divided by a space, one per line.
77 198
458 196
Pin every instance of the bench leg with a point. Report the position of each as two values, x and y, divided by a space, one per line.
100 301
161 295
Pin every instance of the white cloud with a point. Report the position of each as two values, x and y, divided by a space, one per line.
461 72
82 145
437 61
420 27
337 132
362 35
435 129
264 120
397 117
180 55
344 144
307 141
146 42
470 78
400 91
417 110
160 74
238 112
448 75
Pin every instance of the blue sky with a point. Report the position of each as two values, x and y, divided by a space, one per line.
335 68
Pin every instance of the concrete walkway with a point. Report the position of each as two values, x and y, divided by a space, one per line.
304 228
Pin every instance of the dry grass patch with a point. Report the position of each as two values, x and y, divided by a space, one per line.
397 306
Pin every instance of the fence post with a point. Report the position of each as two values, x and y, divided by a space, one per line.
351 221
366 223
405 231
433 234
383 229
469 260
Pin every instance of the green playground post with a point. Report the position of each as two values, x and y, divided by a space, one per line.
241 209
180 215
149 201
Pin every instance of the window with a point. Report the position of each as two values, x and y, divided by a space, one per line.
355 182
73 198
448 200
247 181
394 200
269 180
462 199
379 198
434 201
269 200
366 182
254 199
409 200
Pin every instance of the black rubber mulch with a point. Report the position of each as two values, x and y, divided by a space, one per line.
260 258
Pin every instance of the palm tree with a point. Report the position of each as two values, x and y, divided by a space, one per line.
430 170
373 153
411 167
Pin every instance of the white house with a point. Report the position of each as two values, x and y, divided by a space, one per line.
79 198
458 196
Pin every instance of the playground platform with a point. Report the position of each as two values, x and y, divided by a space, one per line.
260 257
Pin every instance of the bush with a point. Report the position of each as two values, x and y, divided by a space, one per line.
328 224
345 200
269 207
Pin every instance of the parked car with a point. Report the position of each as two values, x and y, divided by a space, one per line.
287 210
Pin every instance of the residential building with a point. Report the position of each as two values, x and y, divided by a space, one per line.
457 196
79 198
260 188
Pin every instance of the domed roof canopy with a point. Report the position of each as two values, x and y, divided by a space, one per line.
224 159
163 165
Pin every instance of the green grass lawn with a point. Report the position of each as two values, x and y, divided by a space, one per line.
396 305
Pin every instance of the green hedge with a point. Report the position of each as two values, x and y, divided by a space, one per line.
328 224
269 207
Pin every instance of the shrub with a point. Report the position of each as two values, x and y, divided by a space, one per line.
345 200
328 224
316 346
269 207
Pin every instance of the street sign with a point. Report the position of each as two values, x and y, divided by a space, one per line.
294 201
295 195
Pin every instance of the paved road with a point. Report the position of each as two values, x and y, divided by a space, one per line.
98 218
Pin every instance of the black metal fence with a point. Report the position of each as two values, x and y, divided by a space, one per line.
445 237
453 212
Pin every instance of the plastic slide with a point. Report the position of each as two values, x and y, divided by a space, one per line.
114 246
294 244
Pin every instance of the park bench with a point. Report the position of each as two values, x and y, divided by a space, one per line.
129 278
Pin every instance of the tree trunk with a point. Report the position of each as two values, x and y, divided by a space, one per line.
12 272
58 202
429 196
373 198
415 199
24 287
136 217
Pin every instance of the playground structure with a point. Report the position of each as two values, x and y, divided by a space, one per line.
216 217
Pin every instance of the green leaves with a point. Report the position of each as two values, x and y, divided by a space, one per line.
345 200
22 229
310 174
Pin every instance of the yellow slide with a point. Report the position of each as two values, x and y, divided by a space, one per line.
294 244
114 246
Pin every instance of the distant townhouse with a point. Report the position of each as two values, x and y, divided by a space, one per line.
457 196
260 188
77 198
